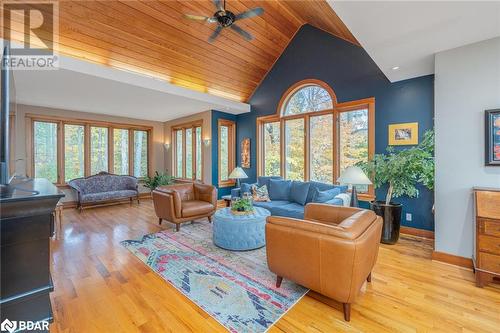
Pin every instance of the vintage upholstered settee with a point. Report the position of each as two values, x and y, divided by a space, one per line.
104 188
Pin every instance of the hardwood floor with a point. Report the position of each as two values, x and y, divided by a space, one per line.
101 287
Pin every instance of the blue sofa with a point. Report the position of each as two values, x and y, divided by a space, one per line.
291 204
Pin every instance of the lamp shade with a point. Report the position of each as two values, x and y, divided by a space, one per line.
353 175
238 173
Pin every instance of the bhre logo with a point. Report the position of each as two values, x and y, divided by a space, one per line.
8 326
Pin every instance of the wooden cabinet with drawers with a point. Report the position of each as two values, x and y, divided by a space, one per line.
487 235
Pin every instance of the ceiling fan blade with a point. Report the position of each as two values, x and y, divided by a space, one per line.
250 13
214 35
242 32
197 17
218 4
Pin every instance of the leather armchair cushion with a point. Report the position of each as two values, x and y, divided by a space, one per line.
196 207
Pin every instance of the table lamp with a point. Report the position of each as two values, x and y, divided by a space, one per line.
353 176
238 174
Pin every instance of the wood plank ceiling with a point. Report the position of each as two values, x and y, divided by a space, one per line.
154 38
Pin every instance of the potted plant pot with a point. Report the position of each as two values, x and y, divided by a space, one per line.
391 214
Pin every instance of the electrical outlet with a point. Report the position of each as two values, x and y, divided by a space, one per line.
408 217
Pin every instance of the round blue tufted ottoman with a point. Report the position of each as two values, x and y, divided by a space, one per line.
240 232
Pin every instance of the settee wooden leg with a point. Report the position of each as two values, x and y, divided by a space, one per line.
159 220
210 219
138 200
177 227
347 311
279 279
130 201
369 278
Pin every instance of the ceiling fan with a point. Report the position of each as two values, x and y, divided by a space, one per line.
225 19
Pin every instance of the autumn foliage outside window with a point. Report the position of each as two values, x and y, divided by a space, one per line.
312 137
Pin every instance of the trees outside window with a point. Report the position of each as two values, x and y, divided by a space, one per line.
74 151
140 153
226 151
65 149
321 148
312 137
120 149
294 149
272 156
45 155
98 150
187 155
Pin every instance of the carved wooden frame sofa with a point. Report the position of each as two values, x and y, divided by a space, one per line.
104 188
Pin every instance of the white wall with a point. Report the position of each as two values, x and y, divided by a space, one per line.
467 82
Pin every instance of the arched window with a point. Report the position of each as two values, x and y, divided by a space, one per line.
312 137
307 98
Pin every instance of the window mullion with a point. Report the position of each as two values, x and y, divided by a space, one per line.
60 152
307 148
184 153
86 150
131 152
111 150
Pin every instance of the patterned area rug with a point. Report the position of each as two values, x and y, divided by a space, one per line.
236 288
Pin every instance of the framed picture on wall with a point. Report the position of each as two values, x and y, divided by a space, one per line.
492 137
403 134
245 153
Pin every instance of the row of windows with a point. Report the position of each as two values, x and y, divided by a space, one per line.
65 150
313 137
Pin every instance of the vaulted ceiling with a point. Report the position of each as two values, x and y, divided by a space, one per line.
154 38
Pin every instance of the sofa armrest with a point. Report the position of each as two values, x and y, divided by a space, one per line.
206 193
328 213
78 191
308 226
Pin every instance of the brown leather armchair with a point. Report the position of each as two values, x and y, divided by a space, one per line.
332 251
184 202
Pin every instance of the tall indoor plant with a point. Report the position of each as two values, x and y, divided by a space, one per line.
400 171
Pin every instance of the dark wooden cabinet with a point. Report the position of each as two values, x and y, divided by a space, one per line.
487 235
26 227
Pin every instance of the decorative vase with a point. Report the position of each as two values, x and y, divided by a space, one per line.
391 215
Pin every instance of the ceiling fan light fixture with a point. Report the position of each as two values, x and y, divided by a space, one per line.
226 19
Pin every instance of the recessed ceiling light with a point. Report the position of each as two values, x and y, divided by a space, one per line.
395 68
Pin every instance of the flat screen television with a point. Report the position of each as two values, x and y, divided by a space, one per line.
7 108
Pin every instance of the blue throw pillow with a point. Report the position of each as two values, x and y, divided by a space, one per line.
279 189
245 188
324 196
298 192
264 180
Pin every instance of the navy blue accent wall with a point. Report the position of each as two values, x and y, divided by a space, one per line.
216 115
349 70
